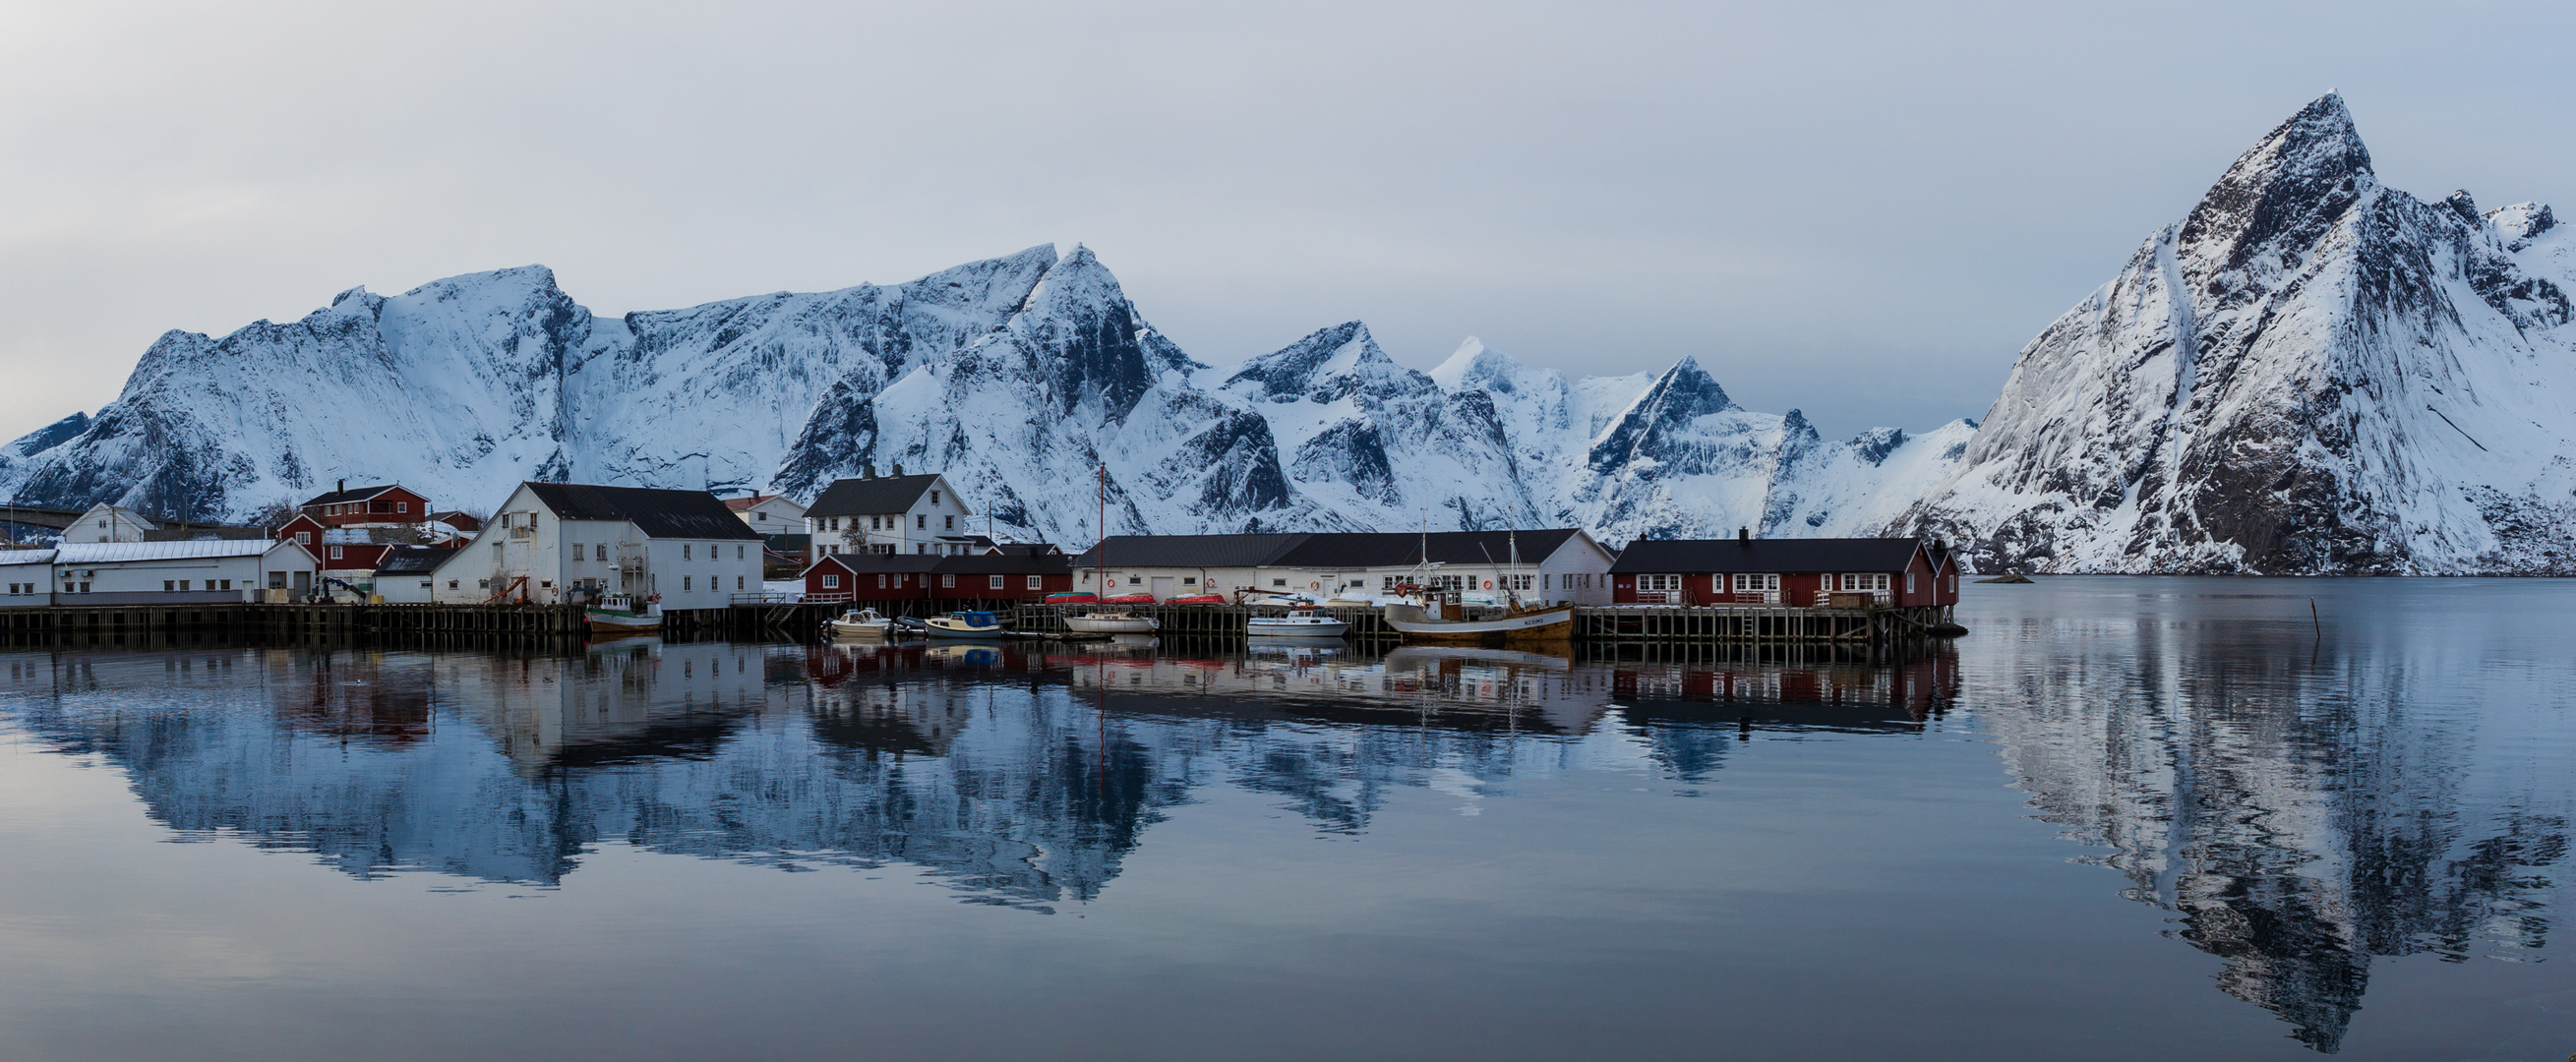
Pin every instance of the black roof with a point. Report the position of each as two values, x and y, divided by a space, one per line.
413 560
1192 551
353 494
1768 555
657 512
867 497
172 532
1395 549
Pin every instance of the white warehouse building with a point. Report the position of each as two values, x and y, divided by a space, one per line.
201 571
553 543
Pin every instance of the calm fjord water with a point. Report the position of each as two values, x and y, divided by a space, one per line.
2125 818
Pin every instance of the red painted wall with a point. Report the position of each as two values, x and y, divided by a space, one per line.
380 509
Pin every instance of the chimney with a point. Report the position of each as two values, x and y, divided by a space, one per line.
344 486
898 469
872 471
1744 535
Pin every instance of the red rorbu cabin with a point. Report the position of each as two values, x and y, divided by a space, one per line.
345 507
864 578
1797 572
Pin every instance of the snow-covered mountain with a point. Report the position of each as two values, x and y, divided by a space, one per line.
1018 377
2313 372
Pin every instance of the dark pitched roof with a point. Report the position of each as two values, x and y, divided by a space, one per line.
659 513
1192 551
353 494
866 497
1768 555
861 563
413 560
192 532
1004 564
1394 549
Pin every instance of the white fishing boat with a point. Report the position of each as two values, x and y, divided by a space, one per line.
625 614
1302 623
1115 622
858 622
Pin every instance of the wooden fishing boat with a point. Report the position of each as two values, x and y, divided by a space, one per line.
1129 599
1420 625
1073 597
1198 599
625 614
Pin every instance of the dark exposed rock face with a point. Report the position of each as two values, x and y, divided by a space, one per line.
2311 373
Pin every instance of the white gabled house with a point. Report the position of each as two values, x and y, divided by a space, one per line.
917 515
109 523
554 543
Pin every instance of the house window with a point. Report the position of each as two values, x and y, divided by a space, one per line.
921 522
1278 582
833 582
1857 583
1909 582
305 538
1037 582
335 553
1189 580
934 497
876 523
738 553
167 586
684 550
993 583
402 507
922 547
451 584
950 522
947 581
686 581
1649 583
880 582
228 584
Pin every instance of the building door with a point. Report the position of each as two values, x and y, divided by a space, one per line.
1162 588
303 583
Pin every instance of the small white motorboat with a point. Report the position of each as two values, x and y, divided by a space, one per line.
1112 623
1302 623
963 625
858 622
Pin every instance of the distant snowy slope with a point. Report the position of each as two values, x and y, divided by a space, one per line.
2312 372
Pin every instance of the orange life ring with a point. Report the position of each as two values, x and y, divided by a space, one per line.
1489 584
1314 586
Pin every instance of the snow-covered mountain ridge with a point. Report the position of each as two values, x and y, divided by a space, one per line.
2311 373
1016 376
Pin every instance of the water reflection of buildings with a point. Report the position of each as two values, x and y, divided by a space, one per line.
1021 775
2298 818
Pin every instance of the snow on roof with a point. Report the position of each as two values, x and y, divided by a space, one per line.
25 556
113 552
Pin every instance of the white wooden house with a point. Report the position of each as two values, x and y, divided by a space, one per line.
552 543
920 515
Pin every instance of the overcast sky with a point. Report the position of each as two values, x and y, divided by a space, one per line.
1858 210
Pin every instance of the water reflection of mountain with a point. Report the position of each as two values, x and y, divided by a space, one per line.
2300 818
1018 775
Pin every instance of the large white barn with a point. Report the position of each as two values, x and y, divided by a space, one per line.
553 543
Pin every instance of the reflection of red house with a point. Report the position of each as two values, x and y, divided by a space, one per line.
899 577
1797 572
388 504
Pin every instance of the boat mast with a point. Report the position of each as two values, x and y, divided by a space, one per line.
1100 550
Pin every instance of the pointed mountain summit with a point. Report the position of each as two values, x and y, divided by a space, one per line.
2310 373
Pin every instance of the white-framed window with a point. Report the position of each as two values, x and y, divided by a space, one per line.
881 582
947 582
1864 582
737 582
1522 582
402 507
167 586
1909 582
335 553
1037 582
994 583
934 497
738 553
1756 582
684 550
833 582
1189 580
305 538
1654 583
921 522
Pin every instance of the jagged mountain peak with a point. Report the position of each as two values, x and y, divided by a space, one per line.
1326 365
2521 223
2282 194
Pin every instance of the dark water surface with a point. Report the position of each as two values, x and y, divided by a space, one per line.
2126 818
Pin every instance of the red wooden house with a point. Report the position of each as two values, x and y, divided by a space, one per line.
389 504
340 549
1799 572
865 578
